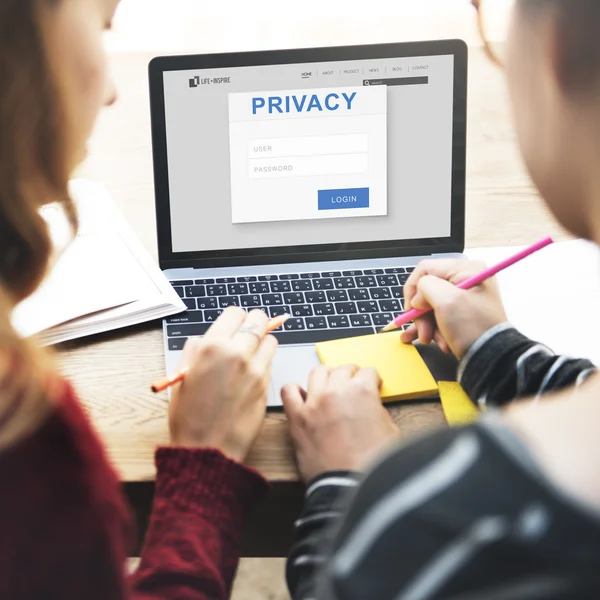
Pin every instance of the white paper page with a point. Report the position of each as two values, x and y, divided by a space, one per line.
154 289
553 296
96 271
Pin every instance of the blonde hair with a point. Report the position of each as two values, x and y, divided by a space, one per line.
33 172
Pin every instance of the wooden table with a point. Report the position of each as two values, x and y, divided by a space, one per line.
112 372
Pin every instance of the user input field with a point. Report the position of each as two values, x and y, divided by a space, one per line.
309 145
308 166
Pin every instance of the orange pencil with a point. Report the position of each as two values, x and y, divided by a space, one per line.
163 384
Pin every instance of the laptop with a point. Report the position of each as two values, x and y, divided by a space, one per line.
306 181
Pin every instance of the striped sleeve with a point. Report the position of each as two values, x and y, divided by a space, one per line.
453 515
325 500
504 365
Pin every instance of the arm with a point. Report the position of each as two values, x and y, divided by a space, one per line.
337 427
64 524
312 571
498 364
504 365
454 515
325 503
203 493
194 538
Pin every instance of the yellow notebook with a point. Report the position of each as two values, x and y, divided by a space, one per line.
458 407
404 373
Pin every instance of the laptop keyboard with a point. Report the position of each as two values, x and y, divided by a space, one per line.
324 305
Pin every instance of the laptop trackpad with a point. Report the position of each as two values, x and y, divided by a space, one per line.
292 364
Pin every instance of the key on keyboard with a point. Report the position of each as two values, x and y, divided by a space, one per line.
302 286
195 290
366 281
208 302
294 298
190 316
361 294
281 286
277 311
346 308
324 309
262 287
215 290
302 310
225 301
251 301
323 284
272 299
314 297
294 325
235 289
380 293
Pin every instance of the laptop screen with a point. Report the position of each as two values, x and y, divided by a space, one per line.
309 154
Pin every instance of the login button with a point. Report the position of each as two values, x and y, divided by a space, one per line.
344 198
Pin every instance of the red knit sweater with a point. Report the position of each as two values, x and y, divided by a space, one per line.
65 529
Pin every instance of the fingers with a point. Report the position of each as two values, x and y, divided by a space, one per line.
451 270
370 377
441 342
426 328
251 334
436 292
412 333
293 402
317 380
408 336
190 350
227 324
263 358
342 375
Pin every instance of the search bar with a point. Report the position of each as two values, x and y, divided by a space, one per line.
397 81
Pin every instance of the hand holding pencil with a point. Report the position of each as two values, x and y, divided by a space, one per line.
222 401
460 316
163 384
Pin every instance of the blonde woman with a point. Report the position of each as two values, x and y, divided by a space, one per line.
64 528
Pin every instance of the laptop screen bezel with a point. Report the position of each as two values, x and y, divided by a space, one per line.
320 252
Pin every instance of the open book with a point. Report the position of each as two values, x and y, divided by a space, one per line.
103 280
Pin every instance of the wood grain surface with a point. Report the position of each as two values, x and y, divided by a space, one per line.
112 372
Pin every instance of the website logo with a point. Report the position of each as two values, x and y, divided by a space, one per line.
195 81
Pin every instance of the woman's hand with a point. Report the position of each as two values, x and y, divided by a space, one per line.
460 316
222 400
340 423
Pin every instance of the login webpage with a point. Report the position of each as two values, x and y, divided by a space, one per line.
302 154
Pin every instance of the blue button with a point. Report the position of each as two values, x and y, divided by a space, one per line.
345 198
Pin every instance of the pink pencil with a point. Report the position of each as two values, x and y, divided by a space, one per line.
413 314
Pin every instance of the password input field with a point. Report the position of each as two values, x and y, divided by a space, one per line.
308 166
310 145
